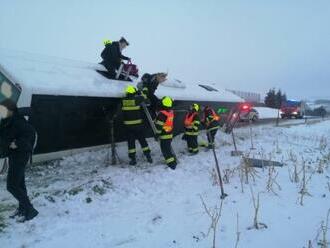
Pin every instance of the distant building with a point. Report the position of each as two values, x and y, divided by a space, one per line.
247 96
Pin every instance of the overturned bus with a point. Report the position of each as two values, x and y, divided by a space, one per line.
70 104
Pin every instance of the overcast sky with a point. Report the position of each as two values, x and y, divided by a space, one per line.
245 45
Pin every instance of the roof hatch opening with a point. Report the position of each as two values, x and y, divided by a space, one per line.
207 87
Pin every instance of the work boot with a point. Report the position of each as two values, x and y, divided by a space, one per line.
172 165
149 159
133 161
29 214
17 212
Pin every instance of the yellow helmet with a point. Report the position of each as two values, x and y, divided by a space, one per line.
167 101
196 107
130 89
106 42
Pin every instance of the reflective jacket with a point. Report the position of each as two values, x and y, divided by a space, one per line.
211 119
191 123
164 124
132 110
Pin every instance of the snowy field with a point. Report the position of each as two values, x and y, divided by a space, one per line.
84 203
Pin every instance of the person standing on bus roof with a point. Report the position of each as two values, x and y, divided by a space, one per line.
112 55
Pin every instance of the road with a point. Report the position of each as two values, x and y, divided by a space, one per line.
285 122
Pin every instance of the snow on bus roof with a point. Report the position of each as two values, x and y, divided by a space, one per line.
47 75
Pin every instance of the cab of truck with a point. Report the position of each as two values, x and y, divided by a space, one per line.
292 108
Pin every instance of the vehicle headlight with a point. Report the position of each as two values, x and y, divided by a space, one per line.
294 113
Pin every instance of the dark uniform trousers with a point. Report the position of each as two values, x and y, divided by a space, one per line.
136 132
111 69
192 143
211 132
167 151
16 178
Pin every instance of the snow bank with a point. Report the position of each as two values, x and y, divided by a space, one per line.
84 203
41 74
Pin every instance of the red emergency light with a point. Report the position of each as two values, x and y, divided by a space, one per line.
245 106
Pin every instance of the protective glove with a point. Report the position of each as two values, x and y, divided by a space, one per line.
13 145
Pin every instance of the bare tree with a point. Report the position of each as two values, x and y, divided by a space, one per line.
229 173
238 233
248 171
271 181
310 244
324 243
295 176
214 215
303 188
256 204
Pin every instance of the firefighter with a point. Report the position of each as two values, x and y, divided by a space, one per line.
112 55
164 126
191 124
17 139
211 123
150 84
134 124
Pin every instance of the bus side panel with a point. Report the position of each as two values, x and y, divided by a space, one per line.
67 122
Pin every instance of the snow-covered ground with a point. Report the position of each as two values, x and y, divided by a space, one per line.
84 203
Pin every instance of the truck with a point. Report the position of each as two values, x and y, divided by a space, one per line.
293 108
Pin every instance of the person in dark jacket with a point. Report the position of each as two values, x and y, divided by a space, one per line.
211 123
191 124
150 84
164 126
134 124
112 55
17 138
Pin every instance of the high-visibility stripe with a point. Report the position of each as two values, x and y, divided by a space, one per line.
160 123
213 128
131 150
133 122
144 95
145 149
129 108
192 133
167 136
195 149
158 131
169 160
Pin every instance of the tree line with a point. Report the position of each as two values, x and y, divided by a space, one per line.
274 99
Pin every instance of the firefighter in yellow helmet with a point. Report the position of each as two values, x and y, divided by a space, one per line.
211 123
133 122
191 124
164 126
